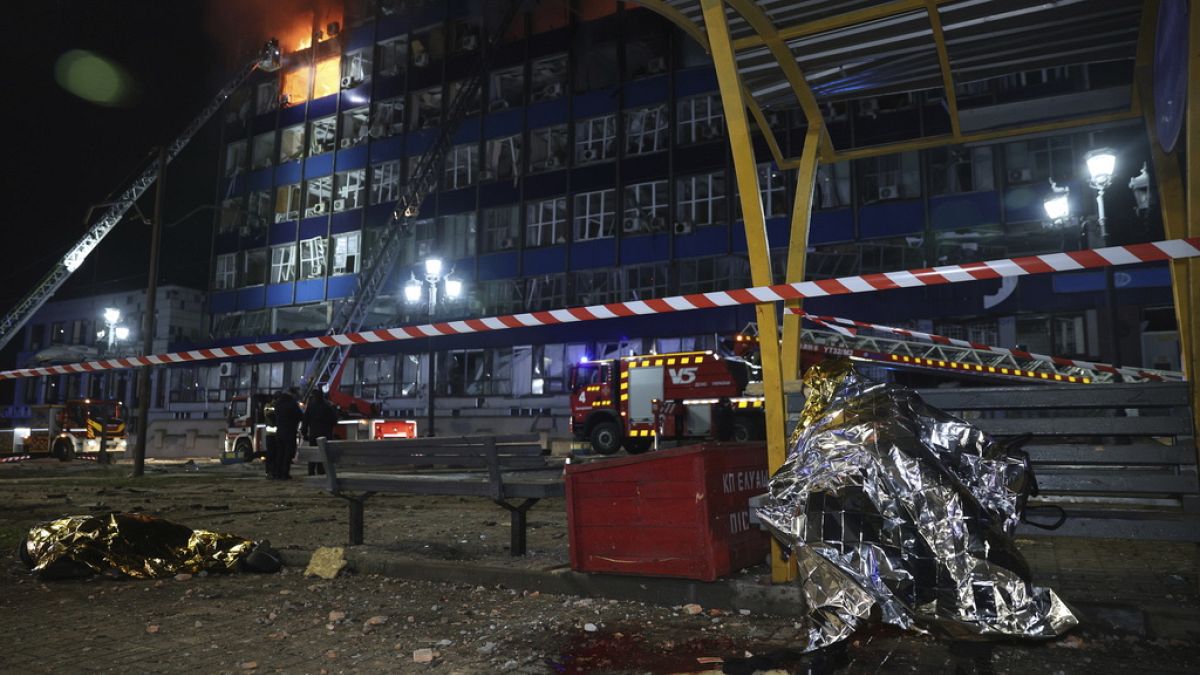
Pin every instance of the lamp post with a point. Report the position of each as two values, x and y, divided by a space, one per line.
413 291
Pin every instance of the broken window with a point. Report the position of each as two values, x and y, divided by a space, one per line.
959 169
594 214
461 164
355 125
465 35
833 185
283 263
771 188
699 200
472 105
700 119
546 222
295 86
260 212
262 151
643 282
548 148
506 89
595 63
287 202
646 130
889 177
291 143
597 287
646 208
318 194
704 275
235 158
312 258
254 267
387 117
322 135
457 235
426 108
356 68
422 243
548 78
226 273
392 55
266 98
230 216
595 139
428 45
346 247
500 228
350 188
385 182
503 158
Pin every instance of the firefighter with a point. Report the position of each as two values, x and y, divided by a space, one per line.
287 423
723 420
319 420
270 437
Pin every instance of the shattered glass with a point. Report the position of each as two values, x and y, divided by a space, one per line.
886 502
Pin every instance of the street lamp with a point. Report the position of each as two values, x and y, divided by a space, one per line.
453 289
115 332
1101 164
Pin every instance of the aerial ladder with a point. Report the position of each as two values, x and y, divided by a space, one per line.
268 59
325 367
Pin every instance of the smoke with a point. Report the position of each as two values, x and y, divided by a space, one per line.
240 27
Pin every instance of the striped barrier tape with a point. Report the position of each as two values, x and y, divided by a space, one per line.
849 327
15 458
1170 249
1003 372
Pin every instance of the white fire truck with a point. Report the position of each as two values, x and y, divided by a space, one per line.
634 400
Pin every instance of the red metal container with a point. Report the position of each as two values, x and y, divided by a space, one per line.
681 512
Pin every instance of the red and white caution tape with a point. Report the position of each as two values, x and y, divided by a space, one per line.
14 458
850 328
948 274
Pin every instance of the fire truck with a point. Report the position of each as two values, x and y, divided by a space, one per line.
247 426
77 427
633 401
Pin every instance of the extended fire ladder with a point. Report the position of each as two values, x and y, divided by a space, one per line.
326 364
269 59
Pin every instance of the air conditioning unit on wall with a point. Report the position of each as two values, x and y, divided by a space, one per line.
683 227
226 369
888 192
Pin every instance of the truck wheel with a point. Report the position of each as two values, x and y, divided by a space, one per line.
244 450
63 450
638 446
743 430
606 438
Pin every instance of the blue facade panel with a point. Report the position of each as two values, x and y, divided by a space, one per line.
779 232
360 37
379 214
1128 277
467 132
292 114
314 227
458 201
310 290
503 123
543 185
320 107
387 149
593 103
282 233
891 219
234 186
695 81
279 295
288 172
358 97
498 266
830 227
498 194
321 165
352 158
226 242
645 248
261 179
594 177
548 113
589 254
391 26
647 91
418 142
1023 203
341 286
346 221
544 260
254 297
701 242
221 302
970 209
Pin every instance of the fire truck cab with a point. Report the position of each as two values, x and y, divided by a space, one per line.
77 427
632 400
246 427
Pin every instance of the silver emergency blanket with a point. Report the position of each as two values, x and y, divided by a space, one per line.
888 502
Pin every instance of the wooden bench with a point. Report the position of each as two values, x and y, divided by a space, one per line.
1119 459
501 468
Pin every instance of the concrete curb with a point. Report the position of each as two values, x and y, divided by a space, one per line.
726 594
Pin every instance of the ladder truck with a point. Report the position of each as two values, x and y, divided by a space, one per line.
268 59
325 367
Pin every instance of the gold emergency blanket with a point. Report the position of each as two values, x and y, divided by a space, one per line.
889 503
128 544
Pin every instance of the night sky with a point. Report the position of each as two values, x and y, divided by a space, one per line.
69 153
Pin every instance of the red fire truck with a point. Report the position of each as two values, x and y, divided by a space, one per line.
77 427
633 400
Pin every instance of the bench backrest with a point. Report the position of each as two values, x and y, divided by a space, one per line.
1117 443
493 453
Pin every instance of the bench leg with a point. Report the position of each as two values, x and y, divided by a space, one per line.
517 515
